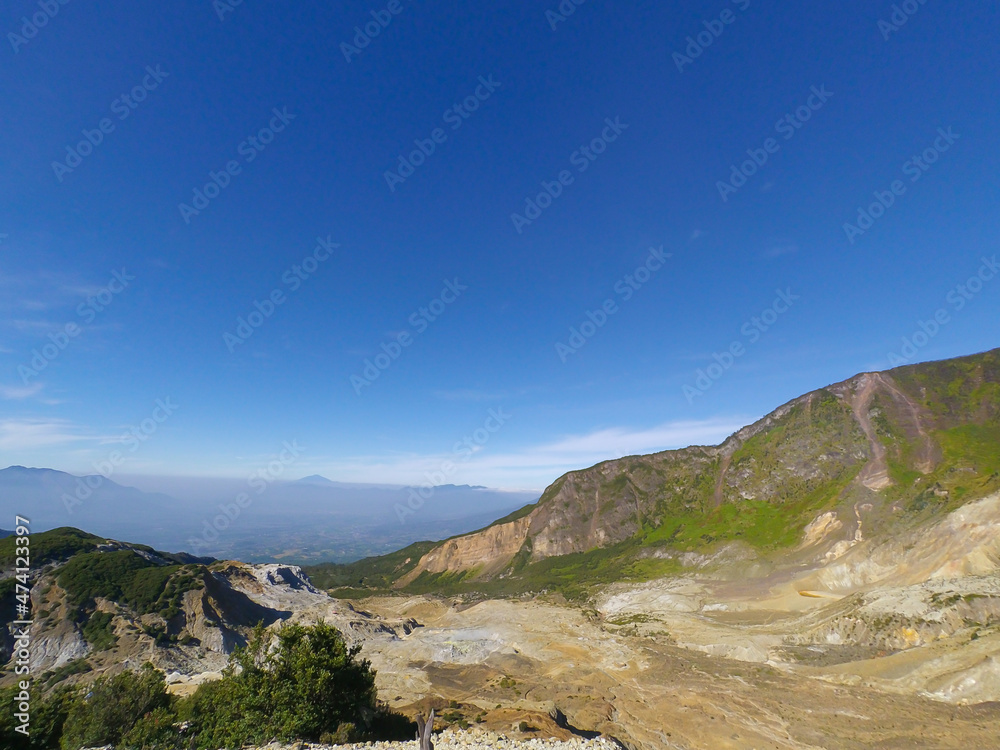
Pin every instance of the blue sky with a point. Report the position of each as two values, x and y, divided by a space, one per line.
358 258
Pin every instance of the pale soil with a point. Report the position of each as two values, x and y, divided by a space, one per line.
646 691
468 740
892 645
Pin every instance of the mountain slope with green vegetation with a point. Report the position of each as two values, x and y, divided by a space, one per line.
898 447
99 600
310 685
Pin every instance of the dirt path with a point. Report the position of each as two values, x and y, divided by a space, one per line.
875 474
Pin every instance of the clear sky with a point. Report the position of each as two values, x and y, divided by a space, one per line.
378 186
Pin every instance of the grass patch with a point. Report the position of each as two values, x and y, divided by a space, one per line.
974 446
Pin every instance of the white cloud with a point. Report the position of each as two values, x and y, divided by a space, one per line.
533 466
30 432
14 392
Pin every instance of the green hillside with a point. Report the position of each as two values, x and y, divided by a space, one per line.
908 444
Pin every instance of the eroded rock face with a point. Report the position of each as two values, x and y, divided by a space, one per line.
291 576
57 647
489 550
833 447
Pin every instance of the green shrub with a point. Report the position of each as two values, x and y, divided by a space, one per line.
48 715
112 708
311 684
55 676
345 734
156 730
97 631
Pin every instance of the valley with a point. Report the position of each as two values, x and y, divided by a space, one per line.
825 578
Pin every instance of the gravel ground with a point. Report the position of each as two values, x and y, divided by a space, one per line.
470 740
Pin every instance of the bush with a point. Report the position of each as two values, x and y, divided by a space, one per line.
154 731
55 676
98 631
48 715
113 707
309 685
346 733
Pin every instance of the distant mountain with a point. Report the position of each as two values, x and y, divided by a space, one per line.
308 520
865 457
455 487
50 498
317 480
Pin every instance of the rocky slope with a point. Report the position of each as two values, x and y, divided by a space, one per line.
103 605
872 454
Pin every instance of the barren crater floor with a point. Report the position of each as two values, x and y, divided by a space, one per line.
651 693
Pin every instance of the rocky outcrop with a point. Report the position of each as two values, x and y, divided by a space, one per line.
485 551
192 642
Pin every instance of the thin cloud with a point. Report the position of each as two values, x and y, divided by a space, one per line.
535 466
778 249
17 392
471 394
26 433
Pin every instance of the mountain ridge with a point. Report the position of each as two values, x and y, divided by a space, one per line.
896 441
